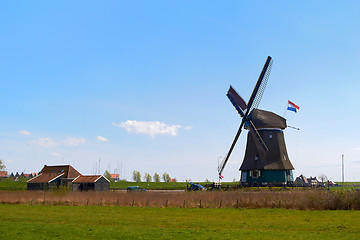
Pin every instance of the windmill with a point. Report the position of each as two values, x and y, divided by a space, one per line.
266 161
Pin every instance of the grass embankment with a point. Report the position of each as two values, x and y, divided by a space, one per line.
10 185
163 185
7 184
150 185
94 222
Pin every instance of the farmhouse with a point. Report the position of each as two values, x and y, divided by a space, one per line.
302 181
3 174
92 182
115 177
53 177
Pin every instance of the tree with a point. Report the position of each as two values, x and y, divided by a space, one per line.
147 177
156 177
136 176
107 175
166 177
323 178
2 166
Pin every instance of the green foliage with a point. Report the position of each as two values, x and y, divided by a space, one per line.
156 177
166 177
107 175
147 177
22 179
2 166
78 222
136 176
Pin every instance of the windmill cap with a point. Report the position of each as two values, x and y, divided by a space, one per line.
266 119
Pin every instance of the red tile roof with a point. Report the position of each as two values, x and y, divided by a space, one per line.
45 177
114 176
69 171
88 179
3 174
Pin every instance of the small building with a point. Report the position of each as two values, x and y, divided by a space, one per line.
27 175
314 182
91 182
332 184
53 177
302 181
4 174
115 177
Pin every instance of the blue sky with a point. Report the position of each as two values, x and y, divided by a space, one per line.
142 84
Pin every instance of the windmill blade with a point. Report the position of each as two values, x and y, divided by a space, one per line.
223 163
258 91
237 101
253 103
259 142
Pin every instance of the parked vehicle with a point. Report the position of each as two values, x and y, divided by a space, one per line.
195 187
135 189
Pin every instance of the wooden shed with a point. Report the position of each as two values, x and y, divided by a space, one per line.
91 182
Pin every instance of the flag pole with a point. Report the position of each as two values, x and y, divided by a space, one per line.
342 170
285 109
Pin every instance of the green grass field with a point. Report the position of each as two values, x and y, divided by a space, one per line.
150 185
6 184
105 222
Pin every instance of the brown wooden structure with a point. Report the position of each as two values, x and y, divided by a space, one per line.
91 182
53 177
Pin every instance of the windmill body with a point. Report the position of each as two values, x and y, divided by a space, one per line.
266 161
275 167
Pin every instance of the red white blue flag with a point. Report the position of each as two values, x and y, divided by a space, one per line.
220 176
293 107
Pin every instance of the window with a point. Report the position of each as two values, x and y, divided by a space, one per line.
270 134
256 156
243 176
284 157
255 173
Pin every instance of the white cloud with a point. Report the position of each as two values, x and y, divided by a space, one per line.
44 142
55 154
70 141
24 132
102 139
48 142
149 128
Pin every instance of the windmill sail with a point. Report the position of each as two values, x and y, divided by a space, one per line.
236 100
259 142
260 85
240 104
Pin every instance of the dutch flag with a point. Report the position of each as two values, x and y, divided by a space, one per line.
293 107
220 176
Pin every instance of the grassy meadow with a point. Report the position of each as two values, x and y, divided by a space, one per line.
7 184
112 222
